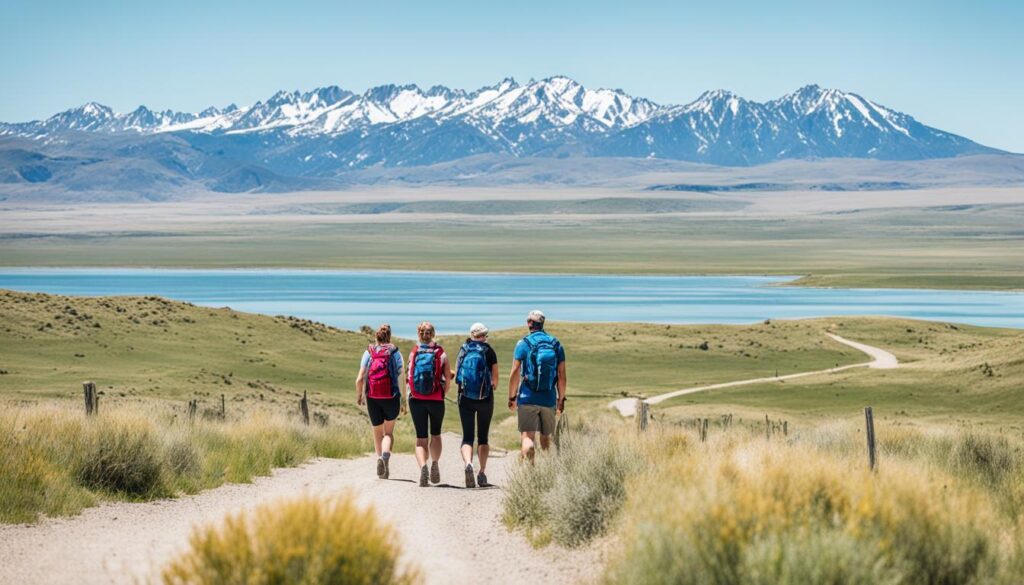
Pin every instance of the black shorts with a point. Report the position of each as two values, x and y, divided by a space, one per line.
475 413
426 415
382 409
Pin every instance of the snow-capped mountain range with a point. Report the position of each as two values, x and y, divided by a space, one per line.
331 131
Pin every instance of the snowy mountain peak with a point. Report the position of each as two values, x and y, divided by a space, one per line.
330 129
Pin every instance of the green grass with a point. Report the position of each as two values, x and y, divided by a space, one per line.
139 349
949 374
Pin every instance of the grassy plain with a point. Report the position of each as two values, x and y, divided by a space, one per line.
149 356
949 374
139 349
879 239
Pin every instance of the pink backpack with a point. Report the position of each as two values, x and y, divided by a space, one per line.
382 380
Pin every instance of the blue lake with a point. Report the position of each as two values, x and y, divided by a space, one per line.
453 301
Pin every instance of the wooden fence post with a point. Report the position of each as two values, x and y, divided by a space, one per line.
785 428
193 405
869 422
223 408
767 428
304 408
92 400
642 413
561 428
702 429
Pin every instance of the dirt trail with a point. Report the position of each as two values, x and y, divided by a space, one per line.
453 534
881 359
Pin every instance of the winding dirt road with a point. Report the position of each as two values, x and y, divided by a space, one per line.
880 359
453 534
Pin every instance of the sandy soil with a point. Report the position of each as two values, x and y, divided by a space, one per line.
880 359
453 534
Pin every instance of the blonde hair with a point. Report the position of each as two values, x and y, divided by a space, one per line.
425 330
383 334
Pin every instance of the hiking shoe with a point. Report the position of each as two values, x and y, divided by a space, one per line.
470 480
387 465
424 475
481 480
382 468
435 473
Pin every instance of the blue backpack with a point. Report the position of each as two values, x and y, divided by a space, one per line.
474 377
540 369
425 369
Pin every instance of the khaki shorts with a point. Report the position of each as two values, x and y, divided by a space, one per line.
534 418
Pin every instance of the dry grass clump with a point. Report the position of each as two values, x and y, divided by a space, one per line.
303 541
746 511
574 495
55 461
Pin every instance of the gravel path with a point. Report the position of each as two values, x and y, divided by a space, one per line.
881 359
453 534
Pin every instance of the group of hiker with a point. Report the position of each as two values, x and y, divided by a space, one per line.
536 391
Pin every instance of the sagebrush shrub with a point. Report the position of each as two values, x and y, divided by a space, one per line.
121 456
573 496
307 540
759 512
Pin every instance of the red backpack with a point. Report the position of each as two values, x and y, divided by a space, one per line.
382 380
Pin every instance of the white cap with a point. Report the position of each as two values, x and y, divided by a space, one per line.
478 330
536 316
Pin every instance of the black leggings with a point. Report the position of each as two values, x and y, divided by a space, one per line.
426 415
478 412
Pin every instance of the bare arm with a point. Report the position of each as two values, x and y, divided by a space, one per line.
446 375
403 391
561 386
513 384
494 376
360 384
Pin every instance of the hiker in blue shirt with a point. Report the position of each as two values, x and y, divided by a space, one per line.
536 386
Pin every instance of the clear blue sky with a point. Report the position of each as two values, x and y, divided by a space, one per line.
955 65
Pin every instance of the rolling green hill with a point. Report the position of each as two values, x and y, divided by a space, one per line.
144 348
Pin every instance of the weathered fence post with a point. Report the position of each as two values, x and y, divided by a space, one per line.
785 428
869 422
561 427
702 429
223 408
642 414
304 408
193 405
92 400
767 428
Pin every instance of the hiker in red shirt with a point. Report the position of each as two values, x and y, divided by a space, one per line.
377 386
429 374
